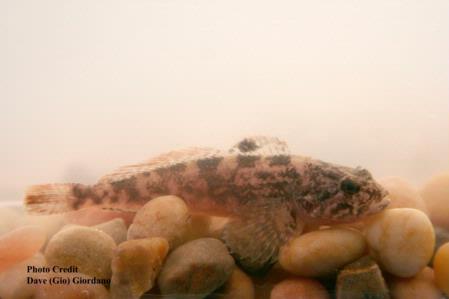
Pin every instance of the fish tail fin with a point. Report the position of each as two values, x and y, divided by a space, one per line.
50 198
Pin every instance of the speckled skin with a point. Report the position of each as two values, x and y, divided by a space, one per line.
256 171
222 185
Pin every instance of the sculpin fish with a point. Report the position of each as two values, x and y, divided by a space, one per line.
268 193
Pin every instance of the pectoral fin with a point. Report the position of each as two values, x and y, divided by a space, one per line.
255 236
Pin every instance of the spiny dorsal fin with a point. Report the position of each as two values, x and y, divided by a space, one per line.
163 160
260 145
255 236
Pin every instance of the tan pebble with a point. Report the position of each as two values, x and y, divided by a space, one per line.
299 288
401 241
135 266
239 285
116 228
93 216
402 194
50 223
441 268
87 248
321 252
20 244
435 194
361 279
420 286
198 227
81 287
196 268
13 281
166 217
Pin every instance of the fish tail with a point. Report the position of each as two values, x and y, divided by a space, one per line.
50 198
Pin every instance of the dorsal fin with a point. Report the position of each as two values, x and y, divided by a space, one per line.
260 145
163 160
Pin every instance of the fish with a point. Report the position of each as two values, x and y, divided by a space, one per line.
268 194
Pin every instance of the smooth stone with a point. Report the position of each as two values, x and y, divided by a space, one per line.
441 268
435 194
83 290
402 194
263 284
196 268
239 285
116 228
87 248
20 244
135 266
166 217
321 252
299 288
420 286
361 279
13 281
401 241
94 215
51 224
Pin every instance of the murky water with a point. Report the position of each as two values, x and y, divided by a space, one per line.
88 87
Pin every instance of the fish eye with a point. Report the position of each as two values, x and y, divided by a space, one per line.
349 186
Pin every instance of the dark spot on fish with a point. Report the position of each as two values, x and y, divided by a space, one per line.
146 173
78 191
113 198
178 167
308 206
209 164
342 206
218 186
188 188
128 186
247 145
263 175
323 195
290 173
247 161
279 160
162 171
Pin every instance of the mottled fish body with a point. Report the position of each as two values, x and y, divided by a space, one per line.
267 192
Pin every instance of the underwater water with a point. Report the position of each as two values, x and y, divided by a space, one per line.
315 116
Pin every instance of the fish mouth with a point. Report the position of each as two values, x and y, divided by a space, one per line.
381 205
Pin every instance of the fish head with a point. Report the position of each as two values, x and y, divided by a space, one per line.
340 194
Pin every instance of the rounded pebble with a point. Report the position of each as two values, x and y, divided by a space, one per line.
196 268
20 244
402 194
321 252
420 286
166 217
135 266
13 281
239 285
401 240
299 288
361 279
115 228
441 268
87 248
82 289
435 194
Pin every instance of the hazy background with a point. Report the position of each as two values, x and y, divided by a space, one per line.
86 86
